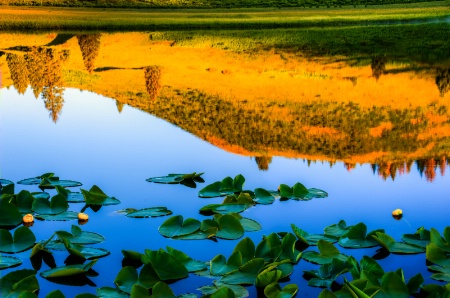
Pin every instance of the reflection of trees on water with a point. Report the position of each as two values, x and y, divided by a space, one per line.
119 106
42 69
152 76
89 46
263 162
443 80
378 66
19 72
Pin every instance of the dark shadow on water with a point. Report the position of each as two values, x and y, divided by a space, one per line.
106 68
382 253
60 39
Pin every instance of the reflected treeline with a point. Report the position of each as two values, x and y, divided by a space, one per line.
41 68
378 66
152 76
443 80
89 46
263 162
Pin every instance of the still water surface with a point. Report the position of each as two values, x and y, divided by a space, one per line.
105 129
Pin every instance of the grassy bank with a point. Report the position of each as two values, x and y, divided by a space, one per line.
51 18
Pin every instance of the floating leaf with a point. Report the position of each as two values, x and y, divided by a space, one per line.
420 238
7 189
16 282
357 237
128 277
52 183
56 205
247 249
229 227
24 200
9 214
246 274
72 197
327 252
41 195
239 291
264 197
199 235
367 264
84 252
64 216
177 178
165 265
396 247
79 236
149 212
310 239
65 271
266 278
275 291
269 248
5 182
220 266
300 192
327 273
224 208
7 262
337 230
250 225
221 188
55 294
190 264
175 226
442 243
95 196
443 273
107 292
22 240
437 255
38 179
132 255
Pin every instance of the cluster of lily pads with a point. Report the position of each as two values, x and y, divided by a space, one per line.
265 265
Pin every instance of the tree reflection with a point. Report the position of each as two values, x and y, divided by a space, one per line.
263 162
378 66
152 76
443 80
89 46
19 72
119 106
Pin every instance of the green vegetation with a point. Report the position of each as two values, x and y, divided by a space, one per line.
77 19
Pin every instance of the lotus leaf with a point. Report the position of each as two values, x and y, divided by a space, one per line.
82 252
357 237
327 273
175 226
267 277
79 236
442 243
396 247
149 212
264 197
38 179
248 224
22 240
9 214
95 196
337 230
72 197
70 270
229 227
310 239
177 178
247 249
165 265
437 255
239 291
222 188
190 264
443 273
288 250
246 274
7 262
366 264
275 291
41 195
56 205
128 277
24 200
64 216
270 248
420 238
107 292
327 252
219 265
16 282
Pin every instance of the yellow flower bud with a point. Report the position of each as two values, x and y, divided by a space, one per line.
83 216
28 218
397 213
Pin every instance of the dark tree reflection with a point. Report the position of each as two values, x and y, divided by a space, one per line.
443 80
378 66
263 162
89 46
152 76
19 72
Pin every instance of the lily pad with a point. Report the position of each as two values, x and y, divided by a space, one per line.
366 264
128 277
337 230
199 234
70 270
190 264
165 265
79 236
175 226
9 214
107 292
220 266
16 282
7 189
246 274
239 291
396 247
223 208
56 205
327 273
22 240
160 290
52 183
249 225
177 178
275 291
149 212
442 243
357 237
23 200
41 195
222 188
437 255
310 239
300 192
443 273
5 182
64 216
247 249
72 197
420 238
83 252
38 179
263 197
95 196
229 227
8 262
327 252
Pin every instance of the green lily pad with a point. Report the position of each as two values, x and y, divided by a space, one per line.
443 273
442 243
190 264
238 290
337 230
222 188
246 274
107 292
275 291
56 205
24 200
161 290
128 277
95 196
41 195
7 189
22 240
38 179
64 216
266 278
165 265
247 249
396 247
83 252
9 214
437 255
8 262
70 270
248 224
5 182
300 192
224 208
79 236
52 183
263 197
16 282
327 252
55 294
149 212
327 273
220 266
175 226
310 239
357 237
177 178
420 238
270 248
199 234
72 197
229 227
366 264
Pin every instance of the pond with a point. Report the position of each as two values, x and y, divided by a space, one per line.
371 129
